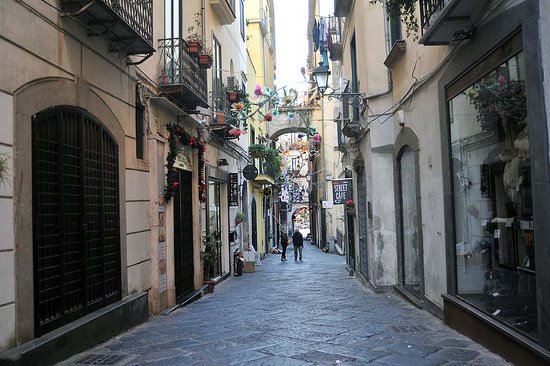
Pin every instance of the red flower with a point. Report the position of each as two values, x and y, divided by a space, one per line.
349 203
178 129
175 184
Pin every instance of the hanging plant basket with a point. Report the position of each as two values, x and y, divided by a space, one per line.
205 61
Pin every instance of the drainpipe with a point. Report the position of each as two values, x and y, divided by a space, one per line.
203 26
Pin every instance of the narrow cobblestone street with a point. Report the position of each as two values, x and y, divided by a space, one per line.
308 312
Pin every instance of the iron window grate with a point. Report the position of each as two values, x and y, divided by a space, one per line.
95 359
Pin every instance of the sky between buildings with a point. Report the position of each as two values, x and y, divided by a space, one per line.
291 40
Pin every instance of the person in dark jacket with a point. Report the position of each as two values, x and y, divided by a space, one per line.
298 242
284 244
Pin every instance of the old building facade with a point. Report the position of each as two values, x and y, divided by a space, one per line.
453 117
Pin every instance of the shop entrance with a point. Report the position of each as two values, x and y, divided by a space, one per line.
183 235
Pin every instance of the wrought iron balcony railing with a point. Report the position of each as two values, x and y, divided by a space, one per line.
127 24
182 77
428 8
446 21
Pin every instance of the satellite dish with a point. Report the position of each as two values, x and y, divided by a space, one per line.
250 172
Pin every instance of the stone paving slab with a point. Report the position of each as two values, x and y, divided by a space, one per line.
308 312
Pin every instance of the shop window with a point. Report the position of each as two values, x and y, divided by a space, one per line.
493 211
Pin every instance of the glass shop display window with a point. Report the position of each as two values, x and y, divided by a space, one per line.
493 211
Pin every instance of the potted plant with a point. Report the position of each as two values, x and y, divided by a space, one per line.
205 58
194 35
209 257
239 217
257 150
232 95
4 170
220 117
350 207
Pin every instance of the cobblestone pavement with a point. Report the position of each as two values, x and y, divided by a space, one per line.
308 312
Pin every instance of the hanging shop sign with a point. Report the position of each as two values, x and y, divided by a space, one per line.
233 188
250 172
342 191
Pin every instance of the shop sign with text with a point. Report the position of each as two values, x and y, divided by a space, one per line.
342 191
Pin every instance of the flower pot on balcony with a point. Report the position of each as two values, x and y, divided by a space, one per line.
232 96
205 61
220 118
194 47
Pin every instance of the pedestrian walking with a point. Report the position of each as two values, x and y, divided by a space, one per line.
284 244
298 242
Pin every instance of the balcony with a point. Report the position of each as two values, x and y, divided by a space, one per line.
265 176
126 24
182 78
342 7
445 21
223 119
225 10
352 129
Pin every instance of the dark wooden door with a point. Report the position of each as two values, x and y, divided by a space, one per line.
183 235
254 225
362 222
76 240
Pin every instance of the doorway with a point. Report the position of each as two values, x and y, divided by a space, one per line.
76 237
410 235
183 235
362 220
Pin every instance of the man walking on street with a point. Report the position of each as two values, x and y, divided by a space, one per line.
298 243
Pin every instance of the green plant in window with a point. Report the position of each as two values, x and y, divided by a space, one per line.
497 98
404 10
209 254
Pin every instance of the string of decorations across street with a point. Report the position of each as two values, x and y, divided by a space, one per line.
178 136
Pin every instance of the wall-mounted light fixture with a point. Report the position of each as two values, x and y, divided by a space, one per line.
321 74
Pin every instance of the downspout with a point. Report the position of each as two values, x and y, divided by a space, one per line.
203 19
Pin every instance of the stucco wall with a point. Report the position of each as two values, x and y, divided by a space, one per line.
55 63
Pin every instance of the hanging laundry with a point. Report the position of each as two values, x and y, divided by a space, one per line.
315 35
323 32
324 55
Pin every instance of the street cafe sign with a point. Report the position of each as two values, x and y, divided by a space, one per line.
342 191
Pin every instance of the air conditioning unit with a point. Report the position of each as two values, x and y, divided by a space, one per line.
231 81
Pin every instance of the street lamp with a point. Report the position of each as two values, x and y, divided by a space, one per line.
321 75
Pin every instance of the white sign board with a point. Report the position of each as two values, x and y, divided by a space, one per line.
327 204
